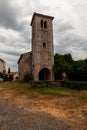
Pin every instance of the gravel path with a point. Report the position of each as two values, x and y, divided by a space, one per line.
14 118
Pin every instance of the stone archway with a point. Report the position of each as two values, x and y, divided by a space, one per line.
44 74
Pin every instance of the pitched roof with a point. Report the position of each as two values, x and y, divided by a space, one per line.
2 60
12 73
23 55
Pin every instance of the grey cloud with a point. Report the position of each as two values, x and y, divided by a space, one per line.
9 16
2 39
14 53
84 46
26 34
72 41
12 63
63 26
13 67
65 36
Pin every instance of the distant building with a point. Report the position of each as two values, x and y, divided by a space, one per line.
2 66
14 75
40 62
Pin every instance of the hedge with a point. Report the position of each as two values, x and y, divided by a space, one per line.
79 85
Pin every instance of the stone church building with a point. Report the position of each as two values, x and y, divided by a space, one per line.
39 62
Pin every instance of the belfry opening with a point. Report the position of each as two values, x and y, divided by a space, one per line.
44 74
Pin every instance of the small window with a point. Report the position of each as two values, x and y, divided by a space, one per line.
41 23
44 45
30 54
45 24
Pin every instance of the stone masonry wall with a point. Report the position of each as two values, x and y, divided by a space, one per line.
43 57
24 66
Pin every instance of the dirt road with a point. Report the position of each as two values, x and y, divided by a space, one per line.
14 118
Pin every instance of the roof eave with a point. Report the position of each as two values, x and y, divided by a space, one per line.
41 15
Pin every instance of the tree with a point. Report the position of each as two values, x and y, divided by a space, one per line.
10 77
75 70
63 63
9 70
68 58
80 70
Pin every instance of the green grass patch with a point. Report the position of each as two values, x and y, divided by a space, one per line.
35 92
53 91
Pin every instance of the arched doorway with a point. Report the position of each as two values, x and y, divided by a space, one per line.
44 74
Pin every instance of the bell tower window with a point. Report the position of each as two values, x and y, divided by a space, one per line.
41 23
45 24
44 45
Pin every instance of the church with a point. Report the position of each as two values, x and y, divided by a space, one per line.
39 62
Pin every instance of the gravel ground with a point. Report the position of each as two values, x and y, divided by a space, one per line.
14 118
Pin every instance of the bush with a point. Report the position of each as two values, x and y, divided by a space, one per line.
79 85
6 77
27 78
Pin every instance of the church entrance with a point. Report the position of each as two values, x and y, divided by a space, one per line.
44 74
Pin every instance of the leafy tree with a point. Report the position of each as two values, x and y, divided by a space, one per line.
76 70
68 58
9 70
80 70
9 77
62 63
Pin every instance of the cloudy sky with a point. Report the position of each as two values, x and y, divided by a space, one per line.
69 25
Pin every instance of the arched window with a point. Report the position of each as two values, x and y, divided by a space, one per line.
44 44
45 24
41 23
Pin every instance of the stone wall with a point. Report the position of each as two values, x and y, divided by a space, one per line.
24 65
45 83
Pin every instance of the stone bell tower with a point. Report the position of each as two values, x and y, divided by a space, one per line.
42 47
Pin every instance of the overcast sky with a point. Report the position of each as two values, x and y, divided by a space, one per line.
69 26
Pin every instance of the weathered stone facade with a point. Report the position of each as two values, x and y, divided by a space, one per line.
2 65
24 65
42 47
42 60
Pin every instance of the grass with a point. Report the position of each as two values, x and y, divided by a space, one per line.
35 92
62 95
24 88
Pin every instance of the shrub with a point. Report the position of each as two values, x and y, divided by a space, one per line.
79 85
27 78
6 77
